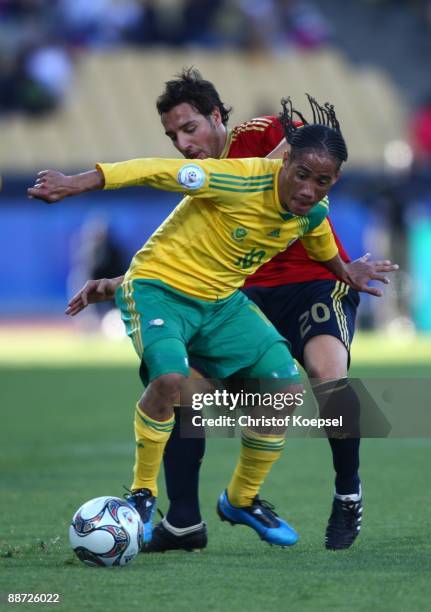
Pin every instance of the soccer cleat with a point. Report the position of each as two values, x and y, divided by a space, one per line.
261 517
164 540
344 523
145 503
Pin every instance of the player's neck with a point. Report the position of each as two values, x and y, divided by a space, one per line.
223 135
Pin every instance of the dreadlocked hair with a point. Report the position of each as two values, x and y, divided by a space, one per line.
189 87
322 134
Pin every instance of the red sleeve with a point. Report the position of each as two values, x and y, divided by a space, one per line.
255 138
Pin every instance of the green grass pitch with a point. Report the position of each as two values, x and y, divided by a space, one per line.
65 437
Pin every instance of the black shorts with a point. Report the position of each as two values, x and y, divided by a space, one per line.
301 311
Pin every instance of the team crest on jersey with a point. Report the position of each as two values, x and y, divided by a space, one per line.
239 233
191 176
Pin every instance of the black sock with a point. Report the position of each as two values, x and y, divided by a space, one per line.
338 398
345 456
182 461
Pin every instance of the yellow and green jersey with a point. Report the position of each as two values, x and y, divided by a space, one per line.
230 223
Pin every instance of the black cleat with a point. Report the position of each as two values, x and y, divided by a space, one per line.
344 524
164 540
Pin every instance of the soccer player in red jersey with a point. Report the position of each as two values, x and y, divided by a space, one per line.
306 303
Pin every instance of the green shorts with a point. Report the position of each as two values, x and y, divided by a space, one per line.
166 326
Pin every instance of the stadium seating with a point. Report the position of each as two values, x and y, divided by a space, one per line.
110 113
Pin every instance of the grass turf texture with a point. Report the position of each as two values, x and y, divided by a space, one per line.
62 346
66 437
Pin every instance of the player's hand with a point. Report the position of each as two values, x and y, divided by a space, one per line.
361 271
51 186
100 290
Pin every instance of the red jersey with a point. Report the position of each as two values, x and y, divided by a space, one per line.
257 138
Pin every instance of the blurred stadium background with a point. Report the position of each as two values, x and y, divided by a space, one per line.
79 81
78 84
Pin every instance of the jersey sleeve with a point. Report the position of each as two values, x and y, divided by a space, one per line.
320 243
222 182
165 174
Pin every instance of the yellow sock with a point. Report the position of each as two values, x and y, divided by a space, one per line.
258 454
151 438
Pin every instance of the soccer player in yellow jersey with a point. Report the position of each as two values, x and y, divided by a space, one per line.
180 293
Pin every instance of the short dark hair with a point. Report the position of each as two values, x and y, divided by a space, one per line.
323 134
191 88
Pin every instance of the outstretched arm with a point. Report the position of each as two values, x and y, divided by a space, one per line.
360 272
192 177
100 290
52 186
321 246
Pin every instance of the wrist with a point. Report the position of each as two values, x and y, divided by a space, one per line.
346 277
86 181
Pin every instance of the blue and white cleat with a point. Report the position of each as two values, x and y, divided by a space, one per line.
261 517
145 503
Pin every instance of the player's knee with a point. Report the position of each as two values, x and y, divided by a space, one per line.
326 371
168 386
332 367
162 393
325 358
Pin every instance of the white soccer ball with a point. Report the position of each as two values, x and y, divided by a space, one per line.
106 531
